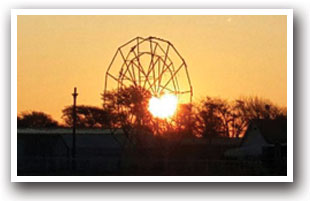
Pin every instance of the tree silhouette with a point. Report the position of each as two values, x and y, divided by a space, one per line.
258 108
185 119
128 106
87 117
36 120
215 116
249 108
212 117
218 117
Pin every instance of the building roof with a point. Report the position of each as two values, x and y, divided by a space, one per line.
66 131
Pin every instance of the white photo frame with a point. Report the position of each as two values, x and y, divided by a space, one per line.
286 12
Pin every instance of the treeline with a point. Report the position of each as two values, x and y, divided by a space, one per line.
215 116
36 119
128 109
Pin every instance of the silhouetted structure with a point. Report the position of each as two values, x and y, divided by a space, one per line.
75 94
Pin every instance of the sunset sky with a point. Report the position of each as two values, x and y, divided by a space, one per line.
227 56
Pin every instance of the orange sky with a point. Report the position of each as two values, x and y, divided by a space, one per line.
227 56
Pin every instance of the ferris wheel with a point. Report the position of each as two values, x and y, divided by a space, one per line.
153 64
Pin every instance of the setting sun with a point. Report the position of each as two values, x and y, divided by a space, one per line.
164 106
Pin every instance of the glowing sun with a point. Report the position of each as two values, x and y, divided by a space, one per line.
164 106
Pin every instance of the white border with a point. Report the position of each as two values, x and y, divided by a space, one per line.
16 12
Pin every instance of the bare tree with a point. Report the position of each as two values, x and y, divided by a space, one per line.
215 116
218 117
246 109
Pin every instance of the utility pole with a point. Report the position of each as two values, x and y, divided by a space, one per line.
75 94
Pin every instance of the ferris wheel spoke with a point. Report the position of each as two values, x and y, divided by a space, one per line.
156 80
154 73
141 70
176 79
173 80
139 66
151 64
163 51
117 80
152 70
168 89
174 74
148 72
128 69
184 92
123 76
160 74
